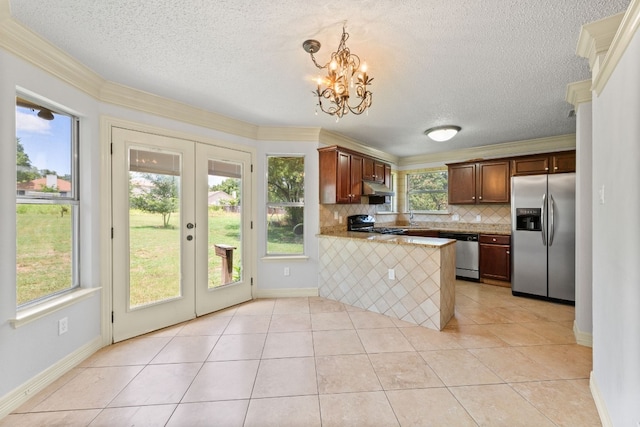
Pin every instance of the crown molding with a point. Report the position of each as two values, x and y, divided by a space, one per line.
26 44
29 46
507 149
578 93
626 31
595 39
273 133
332 138
135 99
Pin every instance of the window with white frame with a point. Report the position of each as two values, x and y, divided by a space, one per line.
47 202
285 205
427 191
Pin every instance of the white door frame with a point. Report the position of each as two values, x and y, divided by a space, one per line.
106 208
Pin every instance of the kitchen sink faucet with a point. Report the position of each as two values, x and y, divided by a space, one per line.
411 221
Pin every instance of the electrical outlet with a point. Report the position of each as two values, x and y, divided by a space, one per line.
335 215
340 219
601 191
392 274
478 218
455 217
286 271
63 325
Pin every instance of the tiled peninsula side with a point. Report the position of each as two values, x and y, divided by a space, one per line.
354 270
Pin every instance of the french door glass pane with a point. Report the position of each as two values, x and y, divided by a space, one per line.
224 223
154 227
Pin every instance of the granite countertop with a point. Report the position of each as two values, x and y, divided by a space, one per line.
431 242
455 227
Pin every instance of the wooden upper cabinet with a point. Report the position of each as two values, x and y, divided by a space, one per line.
560 162
563 162
368 169
462 184
340 176
379 169
482 182
373 170
493 182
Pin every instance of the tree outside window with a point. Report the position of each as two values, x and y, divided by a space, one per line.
427 191
285 205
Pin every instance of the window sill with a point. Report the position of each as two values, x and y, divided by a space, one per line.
430 212
387 213
285 258
37 311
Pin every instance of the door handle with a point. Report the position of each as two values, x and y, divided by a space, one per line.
543 222
551 219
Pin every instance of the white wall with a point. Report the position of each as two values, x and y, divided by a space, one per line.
32 348
616 240
584 157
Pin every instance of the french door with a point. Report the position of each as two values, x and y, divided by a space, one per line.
181 230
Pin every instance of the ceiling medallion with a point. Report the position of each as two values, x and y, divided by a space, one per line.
442 133
342 69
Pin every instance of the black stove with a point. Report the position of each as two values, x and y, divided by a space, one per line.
366 224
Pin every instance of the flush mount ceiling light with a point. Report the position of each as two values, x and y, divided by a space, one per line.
342 69
442 133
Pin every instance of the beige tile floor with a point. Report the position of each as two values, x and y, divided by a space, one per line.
502 361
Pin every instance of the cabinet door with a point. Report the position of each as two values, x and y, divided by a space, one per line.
357 164
387 175
495 262
493 182
534 165
368 169
378 175
343 182
563 162
462 184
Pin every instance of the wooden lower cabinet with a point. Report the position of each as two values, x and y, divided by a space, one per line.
495 257
422 233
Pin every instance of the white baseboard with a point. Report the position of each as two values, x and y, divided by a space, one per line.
582 338
600 406
15 398
285 293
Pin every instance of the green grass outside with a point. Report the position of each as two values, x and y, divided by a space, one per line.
44 252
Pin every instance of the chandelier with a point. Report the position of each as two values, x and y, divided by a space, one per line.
345 76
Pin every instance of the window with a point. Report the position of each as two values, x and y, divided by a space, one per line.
47 204
427 191
285 205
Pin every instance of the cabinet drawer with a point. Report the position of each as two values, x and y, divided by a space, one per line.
495 239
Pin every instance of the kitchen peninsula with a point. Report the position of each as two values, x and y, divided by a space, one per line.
405 277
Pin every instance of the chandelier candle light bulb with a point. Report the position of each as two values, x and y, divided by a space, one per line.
342 68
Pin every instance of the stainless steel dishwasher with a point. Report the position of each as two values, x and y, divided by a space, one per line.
467 254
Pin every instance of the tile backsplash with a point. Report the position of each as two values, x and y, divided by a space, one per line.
467 215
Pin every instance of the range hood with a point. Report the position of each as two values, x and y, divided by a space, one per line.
370 188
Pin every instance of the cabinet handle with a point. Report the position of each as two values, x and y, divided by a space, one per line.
555 168
546 169
473 197
493 240
480 197
508 252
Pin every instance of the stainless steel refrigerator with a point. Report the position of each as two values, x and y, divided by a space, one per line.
543 236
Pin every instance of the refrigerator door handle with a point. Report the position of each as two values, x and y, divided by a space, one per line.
542 221
551 219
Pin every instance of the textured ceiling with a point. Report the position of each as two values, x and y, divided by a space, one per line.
497 68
